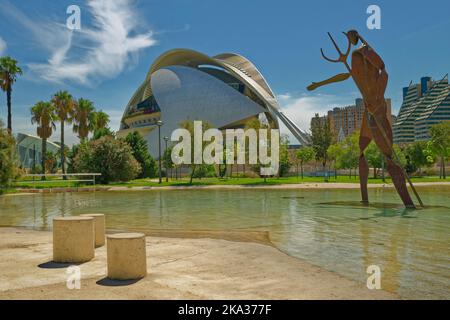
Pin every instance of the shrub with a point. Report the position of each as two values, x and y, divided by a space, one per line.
111 157
140 152
204 171
8 158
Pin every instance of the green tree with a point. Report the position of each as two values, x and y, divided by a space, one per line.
102 133
304 155
140 152
257 124
99 123
100 120
9 70
349 158
222 168
83 118
189 126
322 138
71 154
398 155
8 159
439 144
51 163
65 106
111 157
334 153
374 157
416 158
167 159
43 114
345 153
285 161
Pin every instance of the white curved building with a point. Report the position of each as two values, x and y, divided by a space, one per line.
226 90
29 149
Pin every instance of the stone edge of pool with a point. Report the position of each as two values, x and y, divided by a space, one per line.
22 191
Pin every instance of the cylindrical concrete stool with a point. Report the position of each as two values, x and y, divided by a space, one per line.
126 255
73 239
99 227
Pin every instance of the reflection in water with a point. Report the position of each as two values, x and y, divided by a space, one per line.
44 214
410 246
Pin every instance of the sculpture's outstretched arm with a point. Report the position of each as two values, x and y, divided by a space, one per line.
337 78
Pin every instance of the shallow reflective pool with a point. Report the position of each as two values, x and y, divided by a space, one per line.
329 228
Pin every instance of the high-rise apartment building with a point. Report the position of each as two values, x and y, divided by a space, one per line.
344 121
424 104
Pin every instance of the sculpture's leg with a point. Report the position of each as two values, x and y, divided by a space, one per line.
398 178
364 140
381 129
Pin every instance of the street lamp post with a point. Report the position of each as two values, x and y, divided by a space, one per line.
165 160
159 123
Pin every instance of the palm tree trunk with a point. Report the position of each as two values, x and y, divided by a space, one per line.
443 168
43 156
62 151
8 103
301 168
192 174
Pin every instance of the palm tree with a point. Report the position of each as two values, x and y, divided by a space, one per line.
101 120
65 105
8 73
83 118
43 113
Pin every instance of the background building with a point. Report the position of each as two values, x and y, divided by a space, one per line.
29 149
344 121
424 104
226 90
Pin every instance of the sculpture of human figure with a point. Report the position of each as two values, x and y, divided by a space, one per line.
369 73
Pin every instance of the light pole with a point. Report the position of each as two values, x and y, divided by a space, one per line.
159 123
165 160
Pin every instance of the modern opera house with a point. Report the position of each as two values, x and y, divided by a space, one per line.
225 90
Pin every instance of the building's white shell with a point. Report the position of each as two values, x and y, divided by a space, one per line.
226 90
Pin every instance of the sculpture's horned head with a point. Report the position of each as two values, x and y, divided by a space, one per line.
353 37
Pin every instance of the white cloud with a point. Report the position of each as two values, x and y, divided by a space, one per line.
301 108
2 46
91 54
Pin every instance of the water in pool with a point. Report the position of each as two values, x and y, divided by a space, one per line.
329 228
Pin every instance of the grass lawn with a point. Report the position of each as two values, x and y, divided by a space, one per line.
209 181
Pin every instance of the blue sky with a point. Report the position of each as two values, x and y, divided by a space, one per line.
108 58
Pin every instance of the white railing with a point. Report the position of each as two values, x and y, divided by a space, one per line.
61 175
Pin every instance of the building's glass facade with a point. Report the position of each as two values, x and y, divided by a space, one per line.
424 105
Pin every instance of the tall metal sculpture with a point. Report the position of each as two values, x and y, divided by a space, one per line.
370 76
